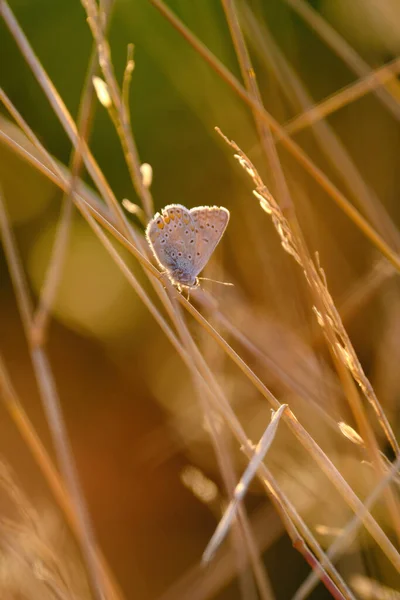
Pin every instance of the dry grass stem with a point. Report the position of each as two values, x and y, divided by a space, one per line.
242 487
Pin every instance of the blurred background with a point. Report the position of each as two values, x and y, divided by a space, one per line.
136 428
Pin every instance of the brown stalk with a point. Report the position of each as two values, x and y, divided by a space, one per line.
286 204
335 585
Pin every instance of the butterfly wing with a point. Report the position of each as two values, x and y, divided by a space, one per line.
210 224
171 236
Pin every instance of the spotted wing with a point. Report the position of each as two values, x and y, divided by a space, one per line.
171 234
210 224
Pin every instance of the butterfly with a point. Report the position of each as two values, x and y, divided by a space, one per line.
183 240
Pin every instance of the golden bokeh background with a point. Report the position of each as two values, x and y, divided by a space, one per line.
136 427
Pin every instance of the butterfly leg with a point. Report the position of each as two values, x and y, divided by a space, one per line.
162 276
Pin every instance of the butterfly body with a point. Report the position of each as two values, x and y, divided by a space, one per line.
183 240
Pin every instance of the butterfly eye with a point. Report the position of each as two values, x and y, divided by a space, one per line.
179 253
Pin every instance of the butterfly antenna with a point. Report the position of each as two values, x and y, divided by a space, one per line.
216 281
